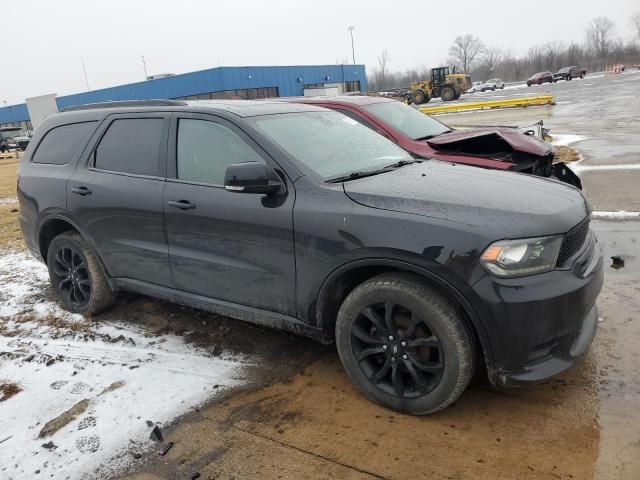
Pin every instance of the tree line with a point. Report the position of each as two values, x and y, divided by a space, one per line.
469 54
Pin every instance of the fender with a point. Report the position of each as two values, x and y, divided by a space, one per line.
66 218
454 292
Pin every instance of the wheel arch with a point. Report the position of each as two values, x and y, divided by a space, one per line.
341 281
55 224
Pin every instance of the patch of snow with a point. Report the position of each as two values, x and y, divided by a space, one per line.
8 200
162 378
617 215
617 166
566 139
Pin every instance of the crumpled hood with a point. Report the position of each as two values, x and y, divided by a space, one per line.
489 140
510 204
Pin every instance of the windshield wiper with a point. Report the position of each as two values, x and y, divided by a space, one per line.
355 175
427 137
369 173
401 163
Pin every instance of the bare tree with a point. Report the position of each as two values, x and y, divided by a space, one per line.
466 49
382 73
599 31
490 61
635 23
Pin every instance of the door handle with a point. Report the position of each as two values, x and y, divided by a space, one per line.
182 204
84 191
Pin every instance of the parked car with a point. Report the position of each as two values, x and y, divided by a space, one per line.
492 84
475 87
540 78
299 218
500 148
567 73
13 138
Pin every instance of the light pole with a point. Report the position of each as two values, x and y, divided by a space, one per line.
353 52
144 66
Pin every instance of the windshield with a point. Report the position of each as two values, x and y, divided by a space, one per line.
407 120
329 143
12 133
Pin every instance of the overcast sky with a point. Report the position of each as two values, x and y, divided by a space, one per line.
44 40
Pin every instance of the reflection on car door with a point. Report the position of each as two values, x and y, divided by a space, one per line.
115 195
228 246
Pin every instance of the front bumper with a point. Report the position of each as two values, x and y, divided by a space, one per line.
541 325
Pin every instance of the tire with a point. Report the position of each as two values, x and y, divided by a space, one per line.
417 379
528 84
418 97
3 150
76 275
539 82
447 94
493 89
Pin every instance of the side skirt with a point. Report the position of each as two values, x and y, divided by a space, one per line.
233 310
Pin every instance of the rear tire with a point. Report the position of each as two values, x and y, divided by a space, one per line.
76 275
447 94
404 345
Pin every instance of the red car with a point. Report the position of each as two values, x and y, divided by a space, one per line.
540 78
500 148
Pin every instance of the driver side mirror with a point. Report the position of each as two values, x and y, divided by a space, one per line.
252 177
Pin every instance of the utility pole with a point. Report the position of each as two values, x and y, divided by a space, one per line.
84 69
144 65
353 52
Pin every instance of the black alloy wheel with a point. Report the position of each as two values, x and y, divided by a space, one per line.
76 275
71 276
396 350
404 344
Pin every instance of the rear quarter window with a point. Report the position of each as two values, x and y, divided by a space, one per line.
61 144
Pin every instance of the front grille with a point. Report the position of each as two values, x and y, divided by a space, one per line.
573 241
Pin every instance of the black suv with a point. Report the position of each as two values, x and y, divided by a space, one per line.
300 218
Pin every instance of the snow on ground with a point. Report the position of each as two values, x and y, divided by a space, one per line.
8 200
127 375
617 215
566 139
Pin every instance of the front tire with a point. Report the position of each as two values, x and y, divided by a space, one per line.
418 97
404 345
76 275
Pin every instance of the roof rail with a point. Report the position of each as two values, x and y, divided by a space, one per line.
126 103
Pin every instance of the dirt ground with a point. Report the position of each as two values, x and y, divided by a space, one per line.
300 417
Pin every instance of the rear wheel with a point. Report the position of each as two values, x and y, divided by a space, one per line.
76 275
404 345
447 94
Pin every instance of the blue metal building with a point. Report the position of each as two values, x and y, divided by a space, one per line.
220 82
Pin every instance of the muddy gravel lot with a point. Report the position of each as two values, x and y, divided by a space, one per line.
81 398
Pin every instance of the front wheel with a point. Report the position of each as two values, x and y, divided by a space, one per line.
418 97
76 275
404 345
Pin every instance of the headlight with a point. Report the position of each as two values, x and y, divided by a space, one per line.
519 258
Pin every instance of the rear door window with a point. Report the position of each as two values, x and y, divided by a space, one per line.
206 149
61 144
131 145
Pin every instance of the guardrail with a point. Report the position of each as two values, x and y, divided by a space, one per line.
488 104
